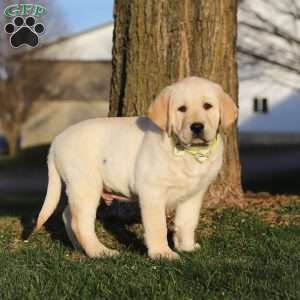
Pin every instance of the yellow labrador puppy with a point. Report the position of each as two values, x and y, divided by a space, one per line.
165 160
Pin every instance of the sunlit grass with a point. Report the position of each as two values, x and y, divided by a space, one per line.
241 257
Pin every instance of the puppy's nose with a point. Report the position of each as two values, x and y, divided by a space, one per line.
197 128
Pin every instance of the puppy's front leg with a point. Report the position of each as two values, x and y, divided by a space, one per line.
186 221
154 220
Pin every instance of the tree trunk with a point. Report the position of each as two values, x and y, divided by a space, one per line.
12 136
157 42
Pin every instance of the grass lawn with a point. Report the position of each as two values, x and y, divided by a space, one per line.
251 254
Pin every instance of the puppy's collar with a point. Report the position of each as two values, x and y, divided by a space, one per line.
200 153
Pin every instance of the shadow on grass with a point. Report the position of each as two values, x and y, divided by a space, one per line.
26 208
22 206
116 218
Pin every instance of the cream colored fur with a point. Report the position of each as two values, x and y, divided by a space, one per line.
135 157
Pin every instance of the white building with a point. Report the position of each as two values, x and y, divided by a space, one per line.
75 86
271 31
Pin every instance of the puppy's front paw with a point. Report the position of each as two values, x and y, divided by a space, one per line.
188 248
111 252
168 254
103 252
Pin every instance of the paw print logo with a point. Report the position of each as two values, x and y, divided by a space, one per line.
24 32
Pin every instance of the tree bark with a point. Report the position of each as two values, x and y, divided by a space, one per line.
157 42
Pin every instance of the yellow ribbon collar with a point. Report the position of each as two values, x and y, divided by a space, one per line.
200 153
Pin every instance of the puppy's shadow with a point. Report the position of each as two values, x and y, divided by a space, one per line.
117 217
28 225
55 225
27 212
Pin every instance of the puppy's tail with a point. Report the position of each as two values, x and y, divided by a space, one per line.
53 192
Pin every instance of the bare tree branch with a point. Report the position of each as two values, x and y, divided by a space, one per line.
268 60
269 35
275 31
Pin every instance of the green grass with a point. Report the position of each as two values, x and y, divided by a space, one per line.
243 258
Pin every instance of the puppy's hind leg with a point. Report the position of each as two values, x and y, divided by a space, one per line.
83 205
67 218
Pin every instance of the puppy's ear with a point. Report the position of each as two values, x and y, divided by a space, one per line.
159 110
228 110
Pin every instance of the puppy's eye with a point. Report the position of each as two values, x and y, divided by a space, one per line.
207 106
182 108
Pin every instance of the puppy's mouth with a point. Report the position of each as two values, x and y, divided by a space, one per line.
199 141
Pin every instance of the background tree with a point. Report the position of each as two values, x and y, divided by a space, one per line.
14 111
157 42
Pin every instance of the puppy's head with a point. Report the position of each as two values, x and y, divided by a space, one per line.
193 109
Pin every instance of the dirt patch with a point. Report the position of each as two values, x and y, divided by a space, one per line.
274 209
